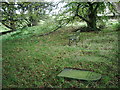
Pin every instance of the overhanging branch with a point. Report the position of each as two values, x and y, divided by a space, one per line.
82 18
56 28
96 7
7 26
76 14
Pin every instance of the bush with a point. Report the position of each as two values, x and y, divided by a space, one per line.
117 26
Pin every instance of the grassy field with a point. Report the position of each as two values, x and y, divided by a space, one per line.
35 62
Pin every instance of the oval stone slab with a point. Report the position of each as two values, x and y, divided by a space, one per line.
79 74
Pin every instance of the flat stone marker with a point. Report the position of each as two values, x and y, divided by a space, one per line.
80 74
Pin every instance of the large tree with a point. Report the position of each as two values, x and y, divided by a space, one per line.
87 11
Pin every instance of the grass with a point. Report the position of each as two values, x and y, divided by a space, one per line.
36 61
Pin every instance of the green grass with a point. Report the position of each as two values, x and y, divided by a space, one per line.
36 61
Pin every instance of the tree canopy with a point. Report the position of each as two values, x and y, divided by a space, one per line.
88 11
17 15
20 14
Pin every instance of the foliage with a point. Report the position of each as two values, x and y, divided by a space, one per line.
20 14
45 27
88 11
117 26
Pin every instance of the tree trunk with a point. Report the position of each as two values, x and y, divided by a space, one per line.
92 22
92 16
